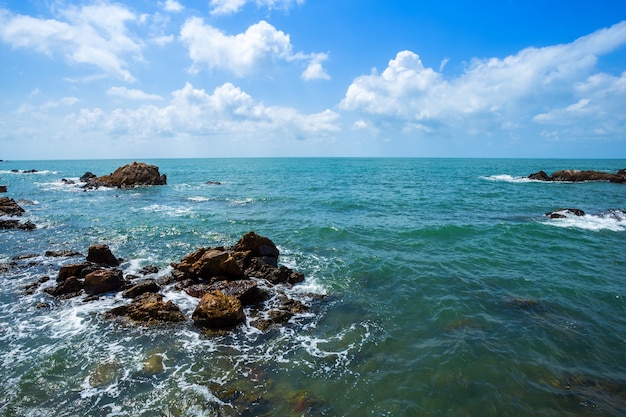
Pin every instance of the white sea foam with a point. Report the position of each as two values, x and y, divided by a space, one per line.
613 220
198 199
508 178
169 210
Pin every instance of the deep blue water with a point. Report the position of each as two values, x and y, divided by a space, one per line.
448 291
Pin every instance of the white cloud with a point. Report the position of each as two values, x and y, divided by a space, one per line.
132 94
548 85
221 7
94 35
193 112
315 71
259 46
173 6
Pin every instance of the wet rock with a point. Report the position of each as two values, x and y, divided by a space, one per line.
148 269
70 287
24 256
67 182
149 309
247 291
562 213
275 275
575 175
71 270
3 188
87 176
141 287
9 207
207 263
131 175
217 310
103 281
61 253
258 247
101 254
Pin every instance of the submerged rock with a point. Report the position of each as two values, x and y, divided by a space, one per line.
562 213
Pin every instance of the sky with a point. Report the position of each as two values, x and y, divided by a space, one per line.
101 79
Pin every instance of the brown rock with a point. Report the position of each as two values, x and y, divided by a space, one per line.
101 254
149 308
3 188
103 281
70 287
217 310
134 174
141 287
258 246
9 207
209 263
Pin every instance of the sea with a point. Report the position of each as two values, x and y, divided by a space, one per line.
442 289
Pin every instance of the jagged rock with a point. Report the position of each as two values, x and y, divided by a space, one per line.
246 290
149 308
16 224
148 269
103 281
101 254
9 207
217 310
258 247
131 175
275 275
207 263
87 176
70 287
575 175
141 287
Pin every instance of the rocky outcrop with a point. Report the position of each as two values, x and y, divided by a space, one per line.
225 280
9 207
3 188
131 175
574 175
149 309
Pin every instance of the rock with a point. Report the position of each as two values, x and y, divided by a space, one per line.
103 281
217 310
258 246
61 253
141 287
70 287
3 188
540 176
131 175
275 275
67 182
213 183
245 290
207 263
562 213
149 308
8 207
16 224
101 254
87 176
148 269
574 175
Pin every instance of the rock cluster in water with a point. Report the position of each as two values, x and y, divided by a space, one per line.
225 280
131 175
10 208
574 175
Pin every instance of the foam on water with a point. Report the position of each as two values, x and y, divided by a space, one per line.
508 178
614 220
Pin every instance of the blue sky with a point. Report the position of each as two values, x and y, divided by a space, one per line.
248 78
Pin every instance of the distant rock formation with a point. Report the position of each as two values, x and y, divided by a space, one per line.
9 207
131 175
574 175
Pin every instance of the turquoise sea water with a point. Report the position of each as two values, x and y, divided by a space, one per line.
448 292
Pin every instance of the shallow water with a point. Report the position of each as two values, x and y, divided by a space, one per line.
448 291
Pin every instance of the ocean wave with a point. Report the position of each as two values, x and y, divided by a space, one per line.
612 220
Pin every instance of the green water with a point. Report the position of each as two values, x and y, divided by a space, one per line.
447 290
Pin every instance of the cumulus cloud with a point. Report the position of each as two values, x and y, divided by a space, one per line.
260 45
554 84
132 94
90 34
173 6
222 7
193 112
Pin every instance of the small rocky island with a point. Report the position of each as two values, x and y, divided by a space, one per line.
10 208
574 175
223 279
130 175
